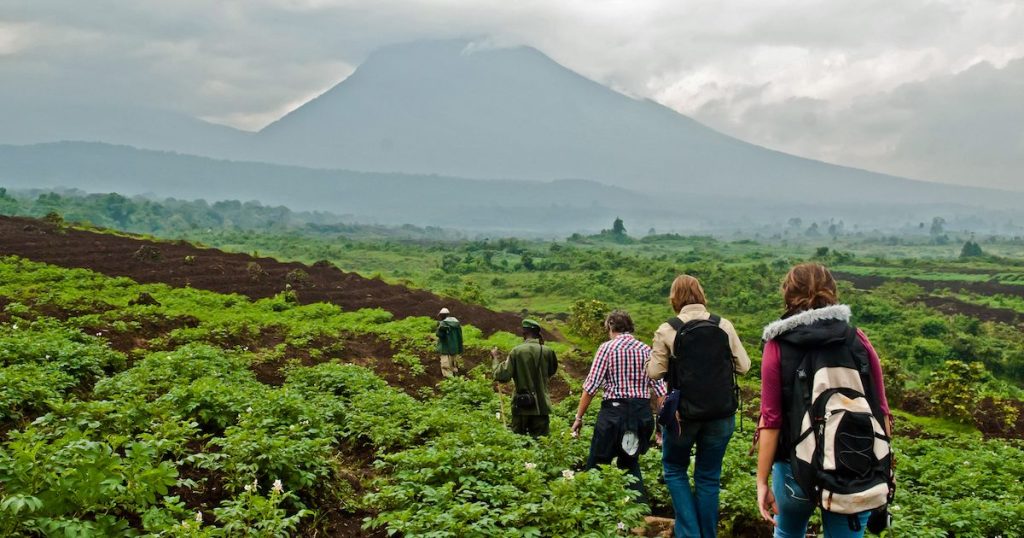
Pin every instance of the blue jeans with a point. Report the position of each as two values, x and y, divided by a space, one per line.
795 508
697 508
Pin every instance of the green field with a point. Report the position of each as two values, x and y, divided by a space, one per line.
123 417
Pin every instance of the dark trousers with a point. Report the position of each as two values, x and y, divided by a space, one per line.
532 425
613 421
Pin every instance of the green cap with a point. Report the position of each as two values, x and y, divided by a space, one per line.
530 324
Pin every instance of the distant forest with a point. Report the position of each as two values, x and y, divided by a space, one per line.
170 216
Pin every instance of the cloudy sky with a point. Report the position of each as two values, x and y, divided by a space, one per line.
931 89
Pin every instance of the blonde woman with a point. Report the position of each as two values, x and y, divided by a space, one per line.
698 354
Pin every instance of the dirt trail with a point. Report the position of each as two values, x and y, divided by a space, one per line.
178 263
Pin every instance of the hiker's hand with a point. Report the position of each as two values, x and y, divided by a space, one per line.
577 425
657 436
495 354
766 503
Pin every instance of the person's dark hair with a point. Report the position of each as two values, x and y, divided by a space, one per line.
533 332
809 286
619 321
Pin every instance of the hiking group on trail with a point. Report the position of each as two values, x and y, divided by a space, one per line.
824 432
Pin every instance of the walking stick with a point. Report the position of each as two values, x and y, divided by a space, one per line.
501 411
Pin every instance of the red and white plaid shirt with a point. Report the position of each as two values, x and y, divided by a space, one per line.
619 368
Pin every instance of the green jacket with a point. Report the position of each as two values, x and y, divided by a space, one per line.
529 365
449 336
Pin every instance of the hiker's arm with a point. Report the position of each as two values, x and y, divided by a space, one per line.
553 365
767 445
740 359
598 370
502 369
767 434
876 380
660 390
657 364
771 387
581 410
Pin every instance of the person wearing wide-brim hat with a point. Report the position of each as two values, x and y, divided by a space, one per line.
529 366
449 342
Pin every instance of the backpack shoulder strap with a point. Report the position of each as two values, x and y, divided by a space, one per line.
715 319
851 343
676 323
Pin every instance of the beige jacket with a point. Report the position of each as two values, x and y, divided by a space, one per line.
665 336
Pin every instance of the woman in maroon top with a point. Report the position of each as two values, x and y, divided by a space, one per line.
812 315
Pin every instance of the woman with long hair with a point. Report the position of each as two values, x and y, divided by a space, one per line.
811 354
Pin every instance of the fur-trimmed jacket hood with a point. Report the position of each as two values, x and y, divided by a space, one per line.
811 327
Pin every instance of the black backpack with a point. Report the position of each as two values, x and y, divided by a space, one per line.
840 453
702 369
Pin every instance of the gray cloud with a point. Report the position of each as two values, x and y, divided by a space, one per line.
967 127
814 77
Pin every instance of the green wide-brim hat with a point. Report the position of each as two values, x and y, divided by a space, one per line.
530 324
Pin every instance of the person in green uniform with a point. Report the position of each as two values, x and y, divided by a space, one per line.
449 342
529 366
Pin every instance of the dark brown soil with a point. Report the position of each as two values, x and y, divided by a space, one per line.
982 288
952 306
181 264
178 263
949 305
986 418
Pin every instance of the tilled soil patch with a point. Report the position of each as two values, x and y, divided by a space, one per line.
178 263
949 305
868 282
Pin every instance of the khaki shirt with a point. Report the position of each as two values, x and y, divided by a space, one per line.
665 336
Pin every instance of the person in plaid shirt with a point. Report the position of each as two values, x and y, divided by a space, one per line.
625 423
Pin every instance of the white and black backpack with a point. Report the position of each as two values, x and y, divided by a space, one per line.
840 453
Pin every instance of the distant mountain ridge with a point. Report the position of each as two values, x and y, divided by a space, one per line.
547 208
460 111
449 108
530 206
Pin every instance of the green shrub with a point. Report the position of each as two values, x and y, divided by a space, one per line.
586 319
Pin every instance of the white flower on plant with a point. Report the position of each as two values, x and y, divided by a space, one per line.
627 499
895 508
568 474
99 333
621 526
15 326
497 415
248 409
305 422
278 486
199 516
248 487
530 466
